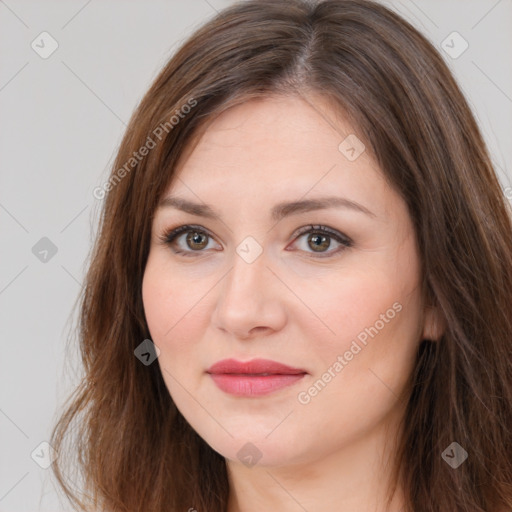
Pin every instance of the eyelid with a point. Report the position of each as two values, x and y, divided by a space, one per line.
321 228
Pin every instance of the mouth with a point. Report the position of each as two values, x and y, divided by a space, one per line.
253 378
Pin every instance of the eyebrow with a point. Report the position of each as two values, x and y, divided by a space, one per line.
279 211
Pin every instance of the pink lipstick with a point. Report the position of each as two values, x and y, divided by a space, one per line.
253 378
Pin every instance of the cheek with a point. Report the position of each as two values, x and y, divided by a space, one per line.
352 307
156 299
373 316
176 309
368 361
174 317
172 303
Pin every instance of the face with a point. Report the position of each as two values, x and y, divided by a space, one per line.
267 267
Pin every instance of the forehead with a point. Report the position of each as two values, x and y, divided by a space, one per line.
269 147
287 119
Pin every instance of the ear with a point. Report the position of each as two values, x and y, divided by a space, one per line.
434 324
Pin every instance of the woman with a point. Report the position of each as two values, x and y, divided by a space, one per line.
299 298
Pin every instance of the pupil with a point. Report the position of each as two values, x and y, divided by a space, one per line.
195 239
321 239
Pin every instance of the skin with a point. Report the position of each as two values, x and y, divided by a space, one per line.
292 305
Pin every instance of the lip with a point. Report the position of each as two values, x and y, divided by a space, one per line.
253 378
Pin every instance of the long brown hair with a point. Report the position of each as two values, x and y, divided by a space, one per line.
134 451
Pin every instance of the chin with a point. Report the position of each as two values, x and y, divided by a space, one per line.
256 450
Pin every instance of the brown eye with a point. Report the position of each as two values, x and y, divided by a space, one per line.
188 240
319 242
197 240
319 239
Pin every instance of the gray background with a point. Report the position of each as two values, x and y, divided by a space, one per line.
62 119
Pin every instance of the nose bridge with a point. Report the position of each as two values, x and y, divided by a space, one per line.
247 275
245 300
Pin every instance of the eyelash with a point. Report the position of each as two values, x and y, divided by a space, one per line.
169 237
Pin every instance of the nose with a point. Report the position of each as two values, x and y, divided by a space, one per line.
250 300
